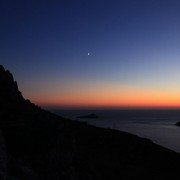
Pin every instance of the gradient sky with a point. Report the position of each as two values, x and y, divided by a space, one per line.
134 48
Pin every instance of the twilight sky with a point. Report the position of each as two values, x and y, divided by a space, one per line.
133 46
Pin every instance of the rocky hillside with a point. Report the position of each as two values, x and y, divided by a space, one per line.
38 145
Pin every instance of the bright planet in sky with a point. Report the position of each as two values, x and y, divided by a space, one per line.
136 42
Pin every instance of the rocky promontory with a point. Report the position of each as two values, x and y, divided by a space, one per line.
177 124
38 145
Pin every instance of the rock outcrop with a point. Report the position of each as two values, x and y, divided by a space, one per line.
9 90
38 145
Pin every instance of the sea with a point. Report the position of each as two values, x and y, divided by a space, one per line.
157 125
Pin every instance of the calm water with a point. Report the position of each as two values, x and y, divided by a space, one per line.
157 125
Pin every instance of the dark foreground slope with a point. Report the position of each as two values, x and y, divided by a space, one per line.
38 145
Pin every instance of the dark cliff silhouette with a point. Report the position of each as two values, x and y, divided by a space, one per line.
38 145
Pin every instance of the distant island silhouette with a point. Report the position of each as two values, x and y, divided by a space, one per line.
90 116
38 145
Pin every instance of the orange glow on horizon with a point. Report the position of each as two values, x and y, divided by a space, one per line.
111 97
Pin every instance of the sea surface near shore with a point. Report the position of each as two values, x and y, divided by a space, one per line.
157 125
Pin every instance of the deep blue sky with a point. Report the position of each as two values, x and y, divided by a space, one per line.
133 45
